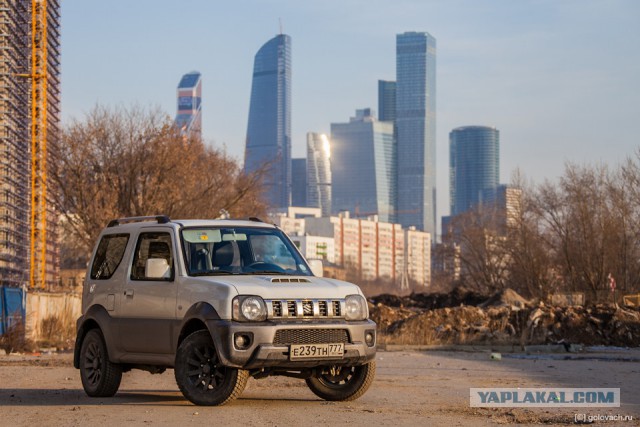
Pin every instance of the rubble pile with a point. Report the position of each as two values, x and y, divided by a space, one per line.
504 318
431 301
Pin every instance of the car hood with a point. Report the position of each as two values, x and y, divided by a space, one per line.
288 287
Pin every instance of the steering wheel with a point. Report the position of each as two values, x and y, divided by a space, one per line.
261 265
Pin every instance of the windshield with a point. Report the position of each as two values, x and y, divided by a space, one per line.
240 250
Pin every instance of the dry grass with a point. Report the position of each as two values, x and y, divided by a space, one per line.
14 339
58 330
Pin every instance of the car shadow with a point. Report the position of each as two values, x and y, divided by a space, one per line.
73 397
64 397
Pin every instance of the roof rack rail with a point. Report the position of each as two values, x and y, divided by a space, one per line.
161 219
255 219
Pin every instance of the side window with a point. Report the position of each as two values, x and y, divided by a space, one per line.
153 259
108 256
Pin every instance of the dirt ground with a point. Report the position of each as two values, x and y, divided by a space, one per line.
411 388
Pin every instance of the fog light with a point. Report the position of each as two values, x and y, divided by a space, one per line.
370 338
242 341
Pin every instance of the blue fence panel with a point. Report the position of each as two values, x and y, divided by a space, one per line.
1 310
13 307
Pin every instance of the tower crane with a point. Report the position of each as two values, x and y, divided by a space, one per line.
39 77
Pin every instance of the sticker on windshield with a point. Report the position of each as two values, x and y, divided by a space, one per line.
199 236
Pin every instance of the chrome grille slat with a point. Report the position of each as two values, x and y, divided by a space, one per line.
311 336
322 309
277 308
337 308
305 309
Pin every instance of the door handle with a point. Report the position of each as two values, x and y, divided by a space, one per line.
128 293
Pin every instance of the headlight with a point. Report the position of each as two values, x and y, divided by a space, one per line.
356 308
249 309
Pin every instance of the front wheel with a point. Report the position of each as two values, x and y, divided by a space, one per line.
201 377
100 377
342 382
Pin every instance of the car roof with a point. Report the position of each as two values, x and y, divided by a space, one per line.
222 223
129 224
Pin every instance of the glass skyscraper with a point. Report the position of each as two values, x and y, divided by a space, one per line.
319 172
474 159
299 182
416 130
363 167
386 100
268 144
189 97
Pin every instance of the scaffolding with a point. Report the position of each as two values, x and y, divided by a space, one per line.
29 117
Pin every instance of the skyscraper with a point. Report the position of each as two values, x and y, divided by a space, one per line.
474 158
268 144
18 84
319 172
386 100
363 167
299 182
189 96
416 130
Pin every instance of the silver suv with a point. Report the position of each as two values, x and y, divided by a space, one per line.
218 301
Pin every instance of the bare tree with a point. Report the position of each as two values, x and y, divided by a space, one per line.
531 271
591 227
484 260
132 162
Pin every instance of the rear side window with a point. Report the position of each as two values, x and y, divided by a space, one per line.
108 255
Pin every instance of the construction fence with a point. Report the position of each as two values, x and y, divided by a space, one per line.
45 315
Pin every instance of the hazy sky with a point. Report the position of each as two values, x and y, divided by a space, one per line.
559 79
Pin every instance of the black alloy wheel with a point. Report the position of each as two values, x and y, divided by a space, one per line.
340 383
201 377
100 377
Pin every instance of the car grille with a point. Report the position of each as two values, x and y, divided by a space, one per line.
305 309
311 336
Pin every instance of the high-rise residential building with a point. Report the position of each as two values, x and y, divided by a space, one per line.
505 203
17 87
474 158
363 167
416 130
386 101
319 172
189 96
299 182
268 144
376 249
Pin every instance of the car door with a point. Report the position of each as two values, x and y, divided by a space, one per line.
148 304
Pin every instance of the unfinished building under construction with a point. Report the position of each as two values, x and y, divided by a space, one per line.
29 132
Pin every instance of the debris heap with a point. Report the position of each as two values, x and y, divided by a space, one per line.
504 318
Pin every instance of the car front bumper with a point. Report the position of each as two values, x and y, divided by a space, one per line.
265 350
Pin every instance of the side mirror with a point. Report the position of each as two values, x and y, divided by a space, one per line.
316 267
157 268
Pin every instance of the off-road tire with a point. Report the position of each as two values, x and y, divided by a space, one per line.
202 379
344 383
100 377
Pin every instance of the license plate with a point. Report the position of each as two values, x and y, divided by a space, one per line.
315 351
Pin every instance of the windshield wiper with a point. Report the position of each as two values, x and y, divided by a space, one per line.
280 273
212 273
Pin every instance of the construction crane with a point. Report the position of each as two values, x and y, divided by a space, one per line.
39 77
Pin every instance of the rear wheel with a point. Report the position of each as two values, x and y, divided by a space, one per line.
342 382
201 377
100 377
